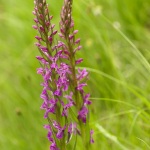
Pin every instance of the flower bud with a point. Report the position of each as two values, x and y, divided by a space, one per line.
35 27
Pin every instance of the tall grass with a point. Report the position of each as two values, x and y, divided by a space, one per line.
115 37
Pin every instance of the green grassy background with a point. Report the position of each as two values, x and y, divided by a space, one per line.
116 41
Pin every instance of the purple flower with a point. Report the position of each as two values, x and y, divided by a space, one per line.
68 105
65 108
77 41
77 49
35 27
42 60
49 106
86 99
60 44
47 127
40 71
44 95
50 39
46 85
44 49
58 92
56 125
75 31
82 114
60 132
79 61
72 127
53 146
91 138
38 38
63 83
63 69
49 135
82 74
47 75
69 97
38 44
80 86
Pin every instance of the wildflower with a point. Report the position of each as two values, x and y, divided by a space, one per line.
58 62
82 114
91 138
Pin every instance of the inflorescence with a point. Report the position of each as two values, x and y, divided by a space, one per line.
64 99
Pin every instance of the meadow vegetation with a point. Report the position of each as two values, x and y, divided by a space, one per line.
115 35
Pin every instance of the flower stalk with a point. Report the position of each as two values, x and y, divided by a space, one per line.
64 100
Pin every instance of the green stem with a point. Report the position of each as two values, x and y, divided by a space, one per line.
74 79
85 135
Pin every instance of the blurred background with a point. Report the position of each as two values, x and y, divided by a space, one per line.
116 50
